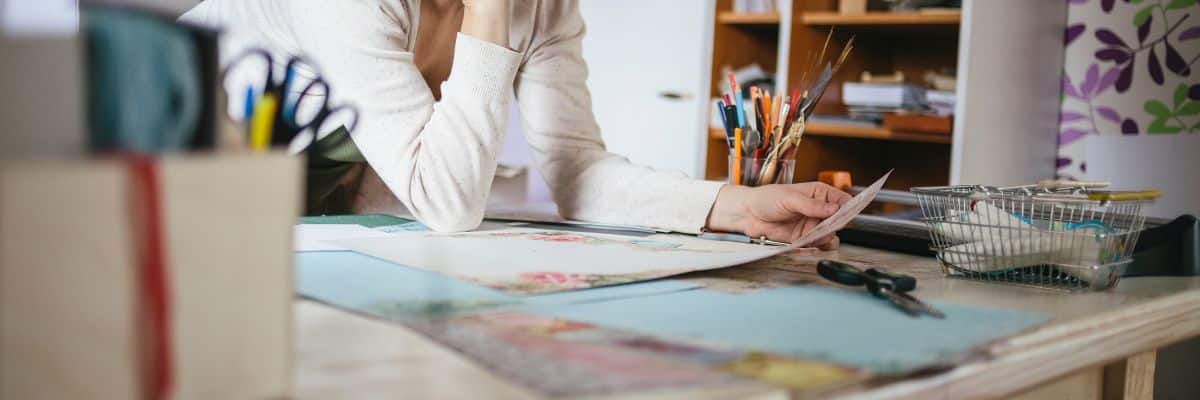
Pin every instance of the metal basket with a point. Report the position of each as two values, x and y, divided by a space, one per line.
1052 236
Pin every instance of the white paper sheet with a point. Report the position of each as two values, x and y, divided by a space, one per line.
525 260
843 216
316 237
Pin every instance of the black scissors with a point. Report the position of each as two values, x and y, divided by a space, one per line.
303 111
891 287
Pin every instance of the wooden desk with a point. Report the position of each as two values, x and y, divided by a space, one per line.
1099 345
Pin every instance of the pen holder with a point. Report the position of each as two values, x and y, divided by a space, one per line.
750 171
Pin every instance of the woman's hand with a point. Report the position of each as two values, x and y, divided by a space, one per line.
486 20
778 212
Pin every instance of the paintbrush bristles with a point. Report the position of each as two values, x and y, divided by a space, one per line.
821 83
845 53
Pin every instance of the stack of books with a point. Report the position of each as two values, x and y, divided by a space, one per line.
869 101
940 102
755 6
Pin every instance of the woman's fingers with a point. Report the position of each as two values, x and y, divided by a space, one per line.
828 243
792 232
803 227
824 192
804 206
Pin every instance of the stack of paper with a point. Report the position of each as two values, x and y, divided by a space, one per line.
941 102
891 95
754 6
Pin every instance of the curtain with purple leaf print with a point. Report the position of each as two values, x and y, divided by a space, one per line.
1130 68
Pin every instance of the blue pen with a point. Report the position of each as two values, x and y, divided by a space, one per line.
249 111
721 111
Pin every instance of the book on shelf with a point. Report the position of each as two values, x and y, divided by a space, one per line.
843 120
755 6
940 97
898 95
940 102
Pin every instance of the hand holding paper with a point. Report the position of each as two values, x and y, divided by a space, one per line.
805 214
844 215
784 213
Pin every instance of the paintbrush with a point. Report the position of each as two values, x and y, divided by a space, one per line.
792 128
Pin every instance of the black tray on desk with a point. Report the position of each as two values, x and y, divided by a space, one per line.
1165 248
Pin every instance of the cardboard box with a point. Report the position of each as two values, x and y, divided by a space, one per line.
72 294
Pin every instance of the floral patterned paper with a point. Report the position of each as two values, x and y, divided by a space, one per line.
1130 68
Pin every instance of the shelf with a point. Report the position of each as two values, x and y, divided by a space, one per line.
733 18
882 18
716 134
879 133
855 132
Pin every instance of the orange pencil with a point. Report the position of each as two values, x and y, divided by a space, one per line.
737 156
767 106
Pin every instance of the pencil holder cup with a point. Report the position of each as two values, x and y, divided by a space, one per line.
750 171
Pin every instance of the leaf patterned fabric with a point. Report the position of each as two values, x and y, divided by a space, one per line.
1129 69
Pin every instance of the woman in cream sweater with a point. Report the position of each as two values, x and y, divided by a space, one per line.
433 79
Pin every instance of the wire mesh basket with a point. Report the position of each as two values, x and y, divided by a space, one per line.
1072 237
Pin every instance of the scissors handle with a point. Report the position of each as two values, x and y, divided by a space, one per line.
891 287
841 272
894 282
850 275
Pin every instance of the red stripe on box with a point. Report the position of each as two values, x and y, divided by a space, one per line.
154 294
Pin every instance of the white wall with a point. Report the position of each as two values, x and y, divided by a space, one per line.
1010 61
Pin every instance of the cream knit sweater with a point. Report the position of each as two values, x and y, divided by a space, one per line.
437 159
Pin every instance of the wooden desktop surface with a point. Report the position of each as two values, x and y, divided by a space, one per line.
342 355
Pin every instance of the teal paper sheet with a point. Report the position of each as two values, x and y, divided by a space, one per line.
367 220
841 326
380 288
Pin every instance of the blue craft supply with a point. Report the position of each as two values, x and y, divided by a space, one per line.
835 325
383 289
249 105
144 87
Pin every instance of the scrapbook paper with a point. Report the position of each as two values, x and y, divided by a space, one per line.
380 288
526 261
562 358
840 326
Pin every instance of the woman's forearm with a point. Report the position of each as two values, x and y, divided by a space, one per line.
486 20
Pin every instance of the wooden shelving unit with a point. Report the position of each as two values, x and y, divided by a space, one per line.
879 133
855 132
951 18
885 42
733 18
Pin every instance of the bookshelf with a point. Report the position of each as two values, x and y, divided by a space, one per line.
733 18
882 19
884 42
879 133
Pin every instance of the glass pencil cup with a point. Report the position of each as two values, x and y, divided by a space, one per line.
750 171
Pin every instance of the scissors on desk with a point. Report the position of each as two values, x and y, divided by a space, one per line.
891 287
298 106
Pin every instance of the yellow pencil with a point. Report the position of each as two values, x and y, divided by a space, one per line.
262 123
737 156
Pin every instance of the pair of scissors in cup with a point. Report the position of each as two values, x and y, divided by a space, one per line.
891 287
304 100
